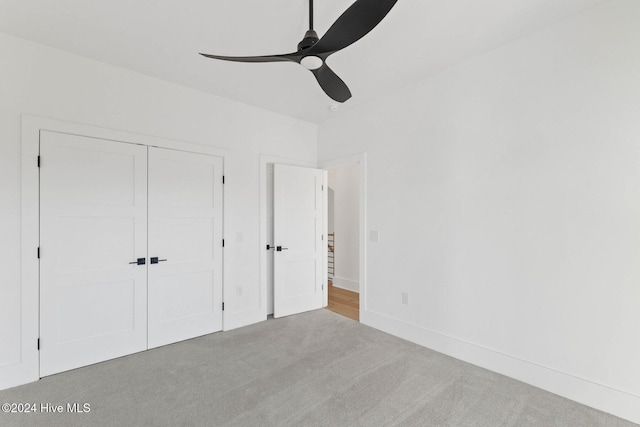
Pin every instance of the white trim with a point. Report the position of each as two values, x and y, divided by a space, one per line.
41 123
243 318
27 370
361 160
325 238
264 160
348 284
599 396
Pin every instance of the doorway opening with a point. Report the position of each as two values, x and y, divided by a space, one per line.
268 239
343 242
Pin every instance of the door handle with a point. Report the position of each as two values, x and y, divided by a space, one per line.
280 248
139 261
155 260
270 248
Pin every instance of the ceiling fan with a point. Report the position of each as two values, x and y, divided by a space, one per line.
356 22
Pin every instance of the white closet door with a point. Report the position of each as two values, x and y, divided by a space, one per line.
298 227
93 225
185 235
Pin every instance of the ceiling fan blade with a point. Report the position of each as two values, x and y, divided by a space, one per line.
332 84
289 57
360 18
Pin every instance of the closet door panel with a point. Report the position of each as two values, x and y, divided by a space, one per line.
93 225
185 236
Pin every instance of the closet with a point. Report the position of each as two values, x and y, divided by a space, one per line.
130 248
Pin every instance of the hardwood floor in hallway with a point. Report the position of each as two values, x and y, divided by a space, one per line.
344 302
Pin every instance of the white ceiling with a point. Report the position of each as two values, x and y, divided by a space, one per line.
162 38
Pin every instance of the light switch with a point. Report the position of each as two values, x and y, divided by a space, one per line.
373 235
239 237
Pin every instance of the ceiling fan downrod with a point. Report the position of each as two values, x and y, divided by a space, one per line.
310 37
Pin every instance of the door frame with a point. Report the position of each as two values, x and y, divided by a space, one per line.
27 369
357 159
360 160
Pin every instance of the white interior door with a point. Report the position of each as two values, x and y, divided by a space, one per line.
185 236
298 206
93 213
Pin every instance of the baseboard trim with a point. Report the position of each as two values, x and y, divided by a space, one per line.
617 402
348 284
244 318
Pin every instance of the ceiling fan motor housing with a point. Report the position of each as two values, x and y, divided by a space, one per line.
310 38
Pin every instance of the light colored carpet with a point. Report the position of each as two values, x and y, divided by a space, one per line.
313 369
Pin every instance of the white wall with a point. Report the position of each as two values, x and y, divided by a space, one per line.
506 192
345 183
40 81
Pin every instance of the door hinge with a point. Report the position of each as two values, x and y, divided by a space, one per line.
222 306
38 161
223 243
323 188
322 237
38 252
223 179
38 343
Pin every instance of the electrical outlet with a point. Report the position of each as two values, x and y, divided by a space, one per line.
405 298
374 236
